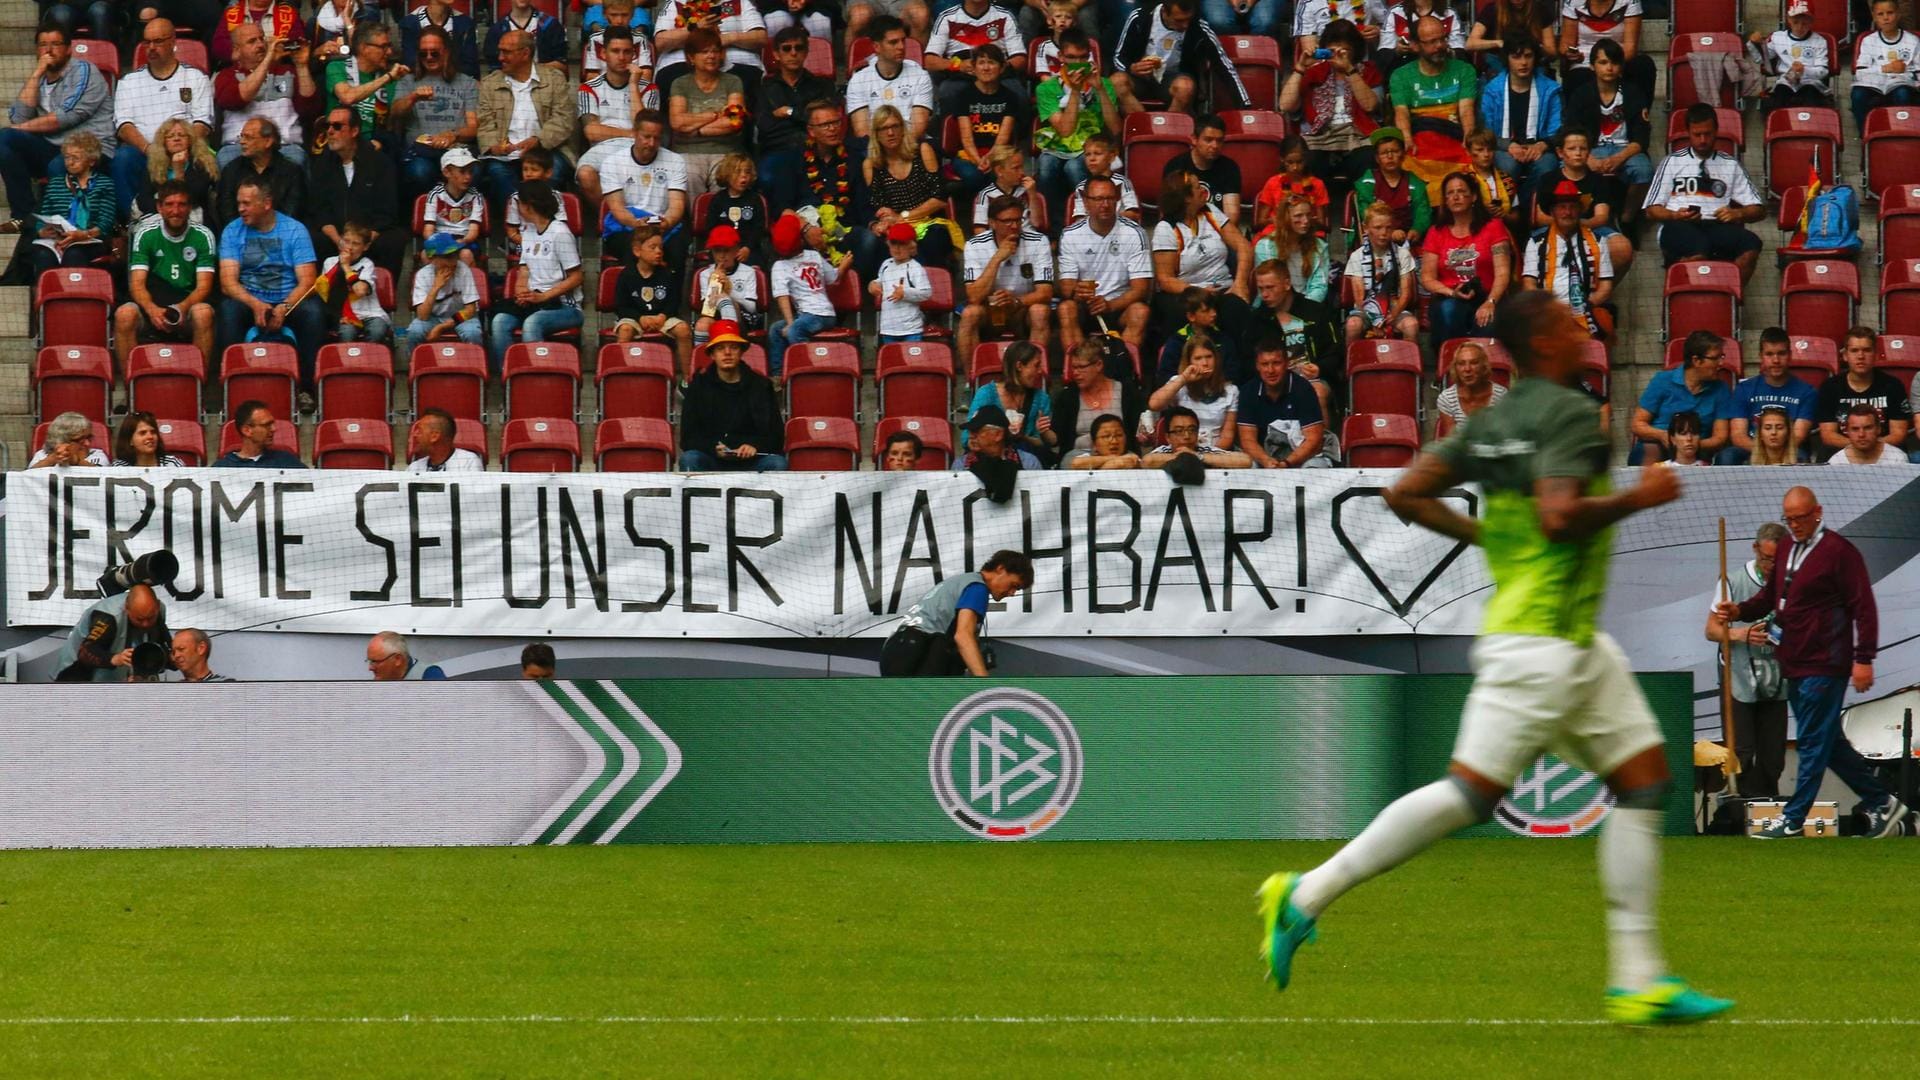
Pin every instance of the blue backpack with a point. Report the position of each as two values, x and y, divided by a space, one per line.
1833 220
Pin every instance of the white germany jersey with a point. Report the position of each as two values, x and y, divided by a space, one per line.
1684 180
1112 262
1032 262
1874 52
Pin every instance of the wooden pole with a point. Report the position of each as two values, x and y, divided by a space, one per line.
1726 665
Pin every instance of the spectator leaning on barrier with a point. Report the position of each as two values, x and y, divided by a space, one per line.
62 96
388 657
1281 425
430 447
1759 690
100 646
1861 383
1694 387
987 440
192 650
536 661
255 424
730 418
940 635
69 444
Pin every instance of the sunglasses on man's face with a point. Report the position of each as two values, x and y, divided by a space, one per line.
431 54
338 125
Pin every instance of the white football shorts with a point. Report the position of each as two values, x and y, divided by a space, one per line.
1534 695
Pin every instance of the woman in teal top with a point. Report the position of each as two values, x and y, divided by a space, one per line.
1021 390
85 199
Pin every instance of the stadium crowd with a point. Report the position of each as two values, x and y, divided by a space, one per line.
1141 231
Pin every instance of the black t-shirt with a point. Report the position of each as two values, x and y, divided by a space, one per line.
748 213
987 111
1220 181
656 294
1884 394
1594 188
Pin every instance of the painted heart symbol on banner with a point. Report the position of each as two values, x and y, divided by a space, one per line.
1424 553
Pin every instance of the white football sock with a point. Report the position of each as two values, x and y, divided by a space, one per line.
1409 825
1630 876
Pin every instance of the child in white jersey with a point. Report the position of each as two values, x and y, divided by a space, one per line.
350 278
901 287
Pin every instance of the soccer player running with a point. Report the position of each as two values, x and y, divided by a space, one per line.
1545 678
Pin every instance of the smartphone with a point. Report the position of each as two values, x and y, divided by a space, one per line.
1323 54
1079 69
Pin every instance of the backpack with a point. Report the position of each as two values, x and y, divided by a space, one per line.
1833 220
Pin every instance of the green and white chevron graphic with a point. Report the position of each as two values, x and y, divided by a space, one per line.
629 761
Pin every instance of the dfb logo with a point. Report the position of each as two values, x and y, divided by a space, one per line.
1005 764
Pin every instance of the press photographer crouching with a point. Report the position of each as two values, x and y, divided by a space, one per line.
123 637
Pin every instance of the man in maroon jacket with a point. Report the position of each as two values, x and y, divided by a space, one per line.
1825 627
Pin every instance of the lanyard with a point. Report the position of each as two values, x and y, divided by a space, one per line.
1794 564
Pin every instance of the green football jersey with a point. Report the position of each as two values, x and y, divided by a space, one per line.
1539 429
173 261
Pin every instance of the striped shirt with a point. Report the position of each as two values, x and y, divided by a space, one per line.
1684 180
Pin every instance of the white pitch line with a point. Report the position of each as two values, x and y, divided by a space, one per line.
664 1021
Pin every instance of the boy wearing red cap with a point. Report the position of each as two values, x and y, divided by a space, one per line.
901 287
801 278
727 287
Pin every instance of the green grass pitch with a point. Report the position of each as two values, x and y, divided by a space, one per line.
1125 960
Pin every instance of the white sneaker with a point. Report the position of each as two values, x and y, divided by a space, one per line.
1889 819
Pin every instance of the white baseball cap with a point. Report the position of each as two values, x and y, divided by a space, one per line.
459 155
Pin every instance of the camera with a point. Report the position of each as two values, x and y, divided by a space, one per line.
987 656
150 658
155 568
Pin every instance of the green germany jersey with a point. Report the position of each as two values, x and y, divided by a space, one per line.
1539 429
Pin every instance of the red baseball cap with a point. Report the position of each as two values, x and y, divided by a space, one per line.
723 236
723 331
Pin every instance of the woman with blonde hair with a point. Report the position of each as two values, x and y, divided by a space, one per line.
1295 240
180 152
903 185
1774 443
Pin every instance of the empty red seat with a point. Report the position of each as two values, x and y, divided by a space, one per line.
542 379
1900 296
1899 221
1732 368
103 55
1379 440
938 309
450 375
1257 59
822 444
1892 139
355 381
1383 376
635 380
353 444
1497 359
1732 140
989 360
184 439
847 297
1598 366
915 379
1696 16
822 379
1703 295
936 439
1797 137
545 445
634 444
263 371
1152 139
1253 143
1680 86
74 304
755 358
286 436
102 438
1819 297
1814 359
1899 355
73 378
165 380
470 434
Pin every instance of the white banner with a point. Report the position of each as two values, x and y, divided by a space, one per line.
802 555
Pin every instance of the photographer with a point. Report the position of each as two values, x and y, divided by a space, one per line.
940 635
102 646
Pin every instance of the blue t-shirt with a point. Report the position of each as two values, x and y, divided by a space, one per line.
1755 394
974 598
1667 393
267 259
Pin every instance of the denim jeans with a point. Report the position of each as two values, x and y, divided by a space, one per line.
706 461
420 171
416 332
1058 177
25 158
233 319
129 171
100 17
1452 318
534 327
373 330
1637 169
782 334
499 179
1865 99
1823 745
1525 175
1261 18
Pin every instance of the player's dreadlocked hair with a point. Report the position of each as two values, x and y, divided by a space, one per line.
1517 319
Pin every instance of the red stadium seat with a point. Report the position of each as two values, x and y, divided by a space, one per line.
1732 140
938 310
184 439
635 381
1680 88
634 444
915 379
1892 141
102 438
1732 368
703 213
1792 203
1497 359
1383 376
545 445
1899 355
1253 143
353 444
355 381
1833 18
1796 139
1151 140
450 375
471 435
1696 16
1899 221
822 379
1814 359
755 357
542 379
101 54
513 285
859 52
1703 295
936 439
165 380
1819 297
989 361
286 436
822 444
73 378
1379 440
264 371
1900 296
1598 366
847 296
185 49
74 304
1258 61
